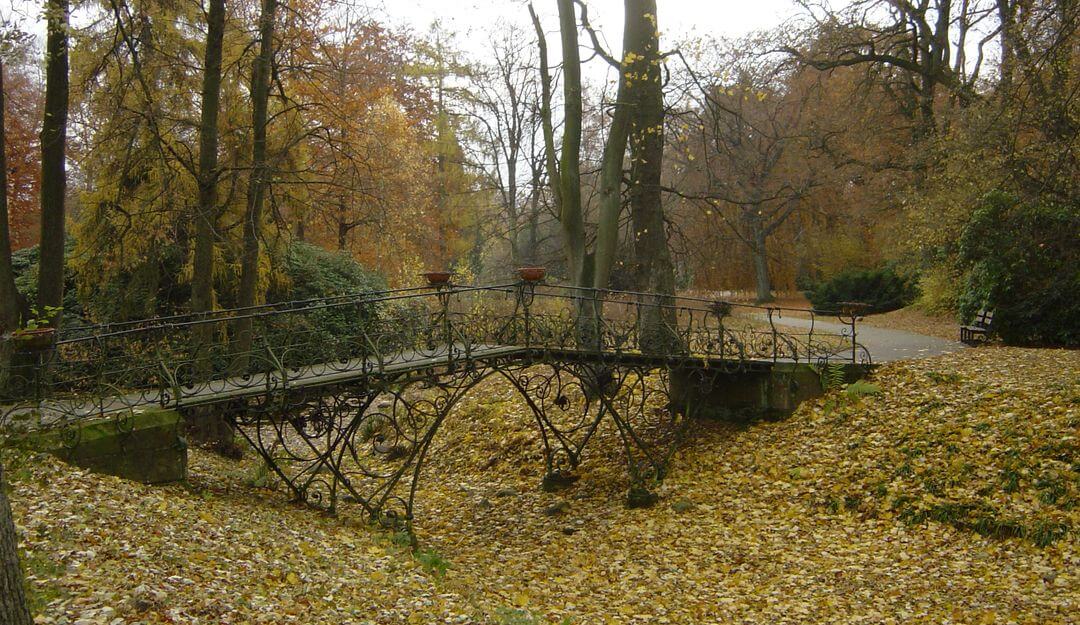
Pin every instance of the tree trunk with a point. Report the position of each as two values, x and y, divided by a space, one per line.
611 167
761 260
532 240
202 279
12 304
654 271
567 176
53 148
342 225
13 609
257 182
514 222
208 426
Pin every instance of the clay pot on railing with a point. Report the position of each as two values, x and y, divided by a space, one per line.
532 274
437 278
721 309
854 309
32 340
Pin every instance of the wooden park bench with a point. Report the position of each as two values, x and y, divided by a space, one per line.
979 330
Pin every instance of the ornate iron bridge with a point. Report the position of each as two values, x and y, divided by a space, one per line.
343 396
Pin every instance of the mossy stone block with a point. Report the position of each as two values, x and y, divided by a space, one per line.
144 446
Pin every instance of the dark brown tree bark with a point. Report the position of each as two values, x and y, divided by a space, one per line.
13 610
53 150
653 270
612 163
564 164
759 252
202 281
258 181
208 426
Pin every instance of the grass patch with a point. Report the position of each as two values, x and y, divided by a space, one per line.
433 562
41 574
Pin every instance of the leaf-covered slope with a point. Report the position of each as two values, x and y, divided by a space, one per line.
987 440
777 522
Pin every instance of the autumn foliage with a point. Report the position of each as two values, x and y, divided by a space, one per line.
23 117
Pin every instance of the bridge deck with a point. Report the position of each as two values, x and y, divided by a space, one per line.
58 410
186 361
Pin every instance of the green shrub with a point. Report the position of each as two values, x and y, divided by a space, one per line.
1022 261
939 290
25 263
862 388
882 289
328 332
313 272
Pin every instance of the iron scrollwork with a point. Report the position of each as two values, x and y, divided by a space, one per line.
342 396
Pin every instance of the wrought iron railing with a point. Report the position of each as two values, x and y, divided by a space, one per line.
194 359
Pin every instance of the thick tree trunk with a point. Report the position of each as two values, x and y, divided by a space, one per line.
611 167
654 271
53 149
202 281
13 609
568 174
761 261
257 182
207 426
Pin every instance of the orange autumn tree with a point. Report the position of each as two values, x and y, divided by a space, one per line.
22 104
369 163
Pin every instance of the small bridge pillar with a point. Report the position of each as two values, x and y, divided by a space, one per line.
773 391
144 446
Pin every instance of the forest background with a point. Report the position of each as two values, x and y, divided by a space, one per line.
218 154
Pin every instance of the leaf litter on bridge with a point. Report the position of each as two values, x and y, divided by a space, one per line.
859 509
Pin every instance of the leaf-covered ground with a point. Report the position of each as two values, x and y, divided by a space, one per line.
947 496
912 319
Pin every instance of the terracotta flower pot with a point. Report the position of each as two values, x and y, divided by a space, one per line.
854 309
33 340
437 278
721 309
532 274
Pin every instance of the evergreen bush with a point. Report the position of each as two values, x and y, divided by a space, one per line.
1022 260
881 289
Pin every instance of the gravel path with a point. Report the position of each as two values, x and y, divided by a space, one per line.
886 345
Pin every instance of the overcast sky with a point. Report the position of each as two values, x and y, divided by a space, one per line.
677 17
473 19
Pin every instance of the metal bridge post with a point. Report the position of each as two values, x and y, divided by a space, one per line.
526 293
598 314
772 326
854 344
443 292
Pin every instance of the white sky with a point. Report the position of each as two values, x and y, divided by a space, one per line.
678 18
473 19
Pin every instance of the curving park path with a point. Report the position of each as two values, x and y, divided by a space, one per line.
885 345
